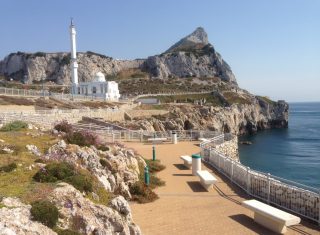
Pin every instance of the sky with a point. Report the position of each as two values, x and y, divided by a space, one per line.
272 46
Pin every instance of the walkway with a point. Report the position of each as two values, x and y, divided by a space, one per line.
185 208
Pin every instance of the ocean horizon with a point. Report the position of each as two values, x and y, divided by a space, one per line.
292 153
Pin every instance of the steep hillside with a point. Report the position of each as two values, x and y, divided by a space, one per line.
30 68
191 57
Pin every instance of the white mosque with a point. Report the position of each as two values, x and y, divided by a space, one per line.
99 87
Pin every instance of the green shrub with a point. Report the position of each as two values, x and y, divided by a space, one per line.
39 160
82 138
156 181
103 162
54 171
141 193
80 182
39 54
63 126
154 166
103 148
14 126
66 59
8 168
45 212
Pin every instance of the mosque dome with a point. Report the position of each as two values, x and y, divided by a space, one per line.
99 77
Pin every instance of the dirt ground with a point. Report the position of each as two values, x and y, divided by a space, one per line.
186 208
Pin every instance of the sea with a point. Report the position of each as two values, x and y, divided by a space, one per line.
292 153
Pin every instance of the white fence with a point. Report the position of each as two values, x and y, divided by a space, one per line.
45 93
291 196
170 94
143 136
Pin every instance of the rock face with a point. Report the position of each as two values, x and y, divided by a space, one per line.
75 212
86 217
16 220
192 56
55 67
237 119
198 38
116 169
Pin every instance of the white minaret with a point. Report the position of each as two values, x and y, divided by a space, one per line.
74 64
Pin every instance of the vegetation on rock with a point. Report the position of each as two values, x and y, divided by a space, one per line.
64 126
63 171
45 212
66 232
14 126
80 182
8 168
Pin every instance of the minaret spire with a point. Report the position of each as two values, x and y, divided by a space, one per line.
74 64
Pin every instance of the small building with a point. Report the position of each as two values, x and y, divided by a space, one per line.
99 87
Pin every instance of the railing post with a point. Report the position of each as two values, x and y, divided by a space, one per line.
232 170
248 180
219 159
268 188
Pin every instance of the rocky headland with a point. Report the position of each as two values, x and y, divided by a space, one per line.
237 119
191 64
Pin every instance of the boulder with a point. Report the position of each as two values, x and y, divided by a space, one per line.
84 216
16 220
33 149
119 170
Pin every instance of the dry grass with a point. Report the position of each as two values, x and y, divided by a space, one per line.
19 183
12 100
234 98
131 73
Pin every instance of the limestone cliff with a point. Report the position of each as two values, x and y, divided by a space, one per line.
192 56
30 68
236 119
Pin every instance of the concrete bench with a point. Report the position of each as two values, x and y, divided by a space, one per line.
206 179
157 140
203 139
187 161
271 217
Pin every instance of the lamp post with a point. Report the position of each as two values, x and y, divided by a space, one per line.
43 79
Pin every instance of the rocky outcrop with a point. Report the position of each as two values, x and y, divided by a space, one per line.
30 68
116 169
192 56
197 39
75 212
236 119
16 219
84 216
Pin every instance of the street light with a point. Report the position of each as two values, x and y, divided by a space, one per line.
43 79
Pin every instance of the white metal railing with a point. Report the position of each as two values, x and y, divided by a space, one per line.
45 93
111 135
170 94
291 196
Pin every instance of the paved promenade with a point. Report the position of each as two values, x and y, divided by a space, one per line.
185 208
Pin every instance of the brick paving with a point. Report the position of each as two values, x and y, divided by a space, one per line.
185 208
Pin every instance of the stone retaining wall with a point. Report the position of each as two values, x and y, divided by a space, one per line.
229 148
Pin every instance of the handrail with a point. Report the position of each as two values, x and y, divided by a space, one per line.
289 195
